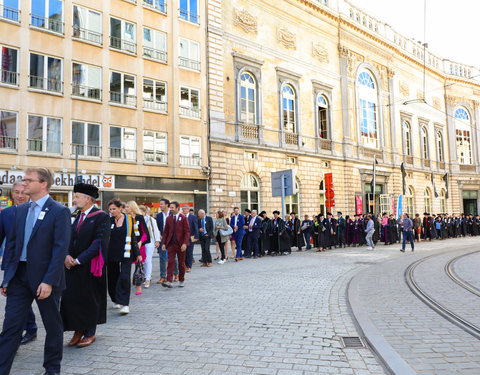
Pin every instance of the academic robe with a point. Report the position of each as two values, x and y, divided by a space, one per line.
264 240
330 232
297 239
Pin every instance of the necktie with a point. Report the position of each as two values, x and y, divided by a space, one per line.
29 223
80 222
203 225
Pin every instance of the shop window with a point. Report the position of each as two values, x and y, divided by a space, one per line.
249 192
123 143
8 130
44 134
123 89
368 109
86 81
86 138
87 25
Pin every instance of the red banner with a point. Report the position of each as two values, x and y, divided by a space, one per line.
329 192
358 204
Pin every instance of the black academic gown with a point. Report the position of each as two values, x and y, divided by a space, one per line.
297 238
84 301
264 240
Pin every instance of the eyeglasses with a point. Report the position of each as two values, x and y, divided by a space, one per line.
29 180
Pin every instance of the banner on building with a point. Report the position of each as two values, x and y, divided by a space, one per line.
399 206
393 207
329 192
358 205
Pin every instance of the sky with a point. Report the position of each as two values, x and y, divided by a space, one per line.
452 27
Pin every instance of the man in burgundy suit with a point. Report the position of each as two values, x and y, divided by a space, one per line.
176 236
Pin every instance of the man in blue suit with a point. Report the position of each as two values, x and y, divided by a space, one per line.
254 227
34 269
237 221
161 220
193 224
7 217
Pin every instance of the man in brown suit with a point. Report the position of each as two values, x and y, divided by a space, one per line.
176 236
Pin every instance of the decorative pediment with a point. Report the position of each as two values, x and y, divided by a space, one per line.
287 38
245 20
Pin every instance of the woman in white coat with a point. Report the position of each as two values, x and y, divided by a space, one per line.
154 243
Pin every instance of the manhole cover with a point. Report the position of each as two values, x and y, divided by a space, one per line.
352 342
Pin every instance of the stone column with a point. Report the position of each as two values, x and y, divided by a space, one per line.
391 97
452 148
345 60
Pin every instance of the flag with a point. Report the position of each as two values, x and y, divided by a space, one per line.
445 178
402 167
433 183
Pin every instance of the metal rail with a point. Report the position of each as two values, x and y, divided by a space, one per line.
454 276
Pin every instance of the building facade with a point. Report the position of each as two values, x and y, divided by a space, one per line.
323 88
121 83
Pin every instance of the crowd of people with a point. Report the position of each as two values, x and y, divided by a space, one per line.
70 260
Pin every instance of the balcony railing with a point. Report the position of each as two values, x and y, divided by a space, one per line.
190 161
249 131
426 163
325 144
409 159
9 143
159 5
190 112
9 13
188 63
121 98
121 153
87 92
291 138
189 16
467 168
9 78
46 84
87 150
123 45
47 23
155 54
40 145
88 35
441 165
155 157
154 105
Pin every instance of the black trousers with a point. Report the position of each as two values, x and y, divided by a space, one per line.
221 245
19 300
205 244
119 283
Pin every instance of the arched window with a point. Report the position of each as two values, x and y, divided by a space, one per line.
291 202
288 108
407 136
441 156
249 192
424 142
248 98
443 201
409 200
322 110
463 129
427 199
368 108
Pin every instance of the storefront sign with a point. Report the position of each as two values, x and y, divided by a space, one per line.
329 192
63 179
358 205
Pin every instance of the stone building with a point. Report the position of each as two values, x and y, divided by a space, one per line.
324 88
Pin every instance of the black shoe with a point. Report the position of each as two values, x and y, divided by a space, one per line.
28 337
51 373
402 250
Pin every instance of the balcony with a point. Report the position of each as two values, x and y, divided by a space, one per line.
121 98
9 78
291 139
190 112
189 63
87 150
409 159
188 16
249 131
325 144
467 168
8 143
83 91
46 84
121 153
155 157
9 13
155 105
40 145
87 35
190 161
45 23
155 54
158 5
441 165
123 45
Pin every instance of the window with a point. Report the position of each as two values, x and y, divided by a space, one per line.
463 129
322 110
123 35
9 70
46 73
250 155
409 200
427 200
8 130
291 202
443 201
154 95
248 98
44 134
122 89
288 109
154 44
407 138
424 142
367 93
155 147
249 193
159 5
87 25
47 14
190 151
291 160
189 102
123 143
10 10
441 156
189 56
86 137
86 81
189 10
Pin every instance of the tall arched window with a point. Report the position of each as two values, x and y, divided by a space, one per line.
291 202
443 201
368 109
463 130
248 97
424 142
322 111
409 200
441 156
407 136
427 199
288 108
249 192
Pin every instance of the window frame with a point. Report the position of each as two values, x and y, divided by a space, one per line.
410 201
156 106
8 143
44 140
190 111
86 146
461 139
91 36
161 54
243 116
45 87
187 15
293 98
370 96
13 77
162 9
15 13
440 146
123 97
123 149
34 18
424 143
163 154
126 46
89 90
248 189
189 62
427 200
326 121
192 160
407 137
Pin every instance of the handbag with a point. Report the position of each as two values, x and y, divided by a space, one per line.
139 274
227 232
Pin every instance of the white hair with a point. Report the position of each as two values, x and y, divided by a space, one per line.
201 211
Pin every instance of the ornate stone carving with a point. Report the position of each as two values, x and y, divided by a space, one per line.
287 38
437 103
419 94
404 89
320 52
452 100
245 20
390 73
343 51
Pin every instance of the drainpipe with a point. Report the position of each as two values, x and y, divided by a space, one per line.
207 99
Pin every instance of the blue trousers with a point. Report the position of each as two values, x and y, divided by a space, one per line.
238 244
307 239
188 257
30 324
252 245
407 236
163 264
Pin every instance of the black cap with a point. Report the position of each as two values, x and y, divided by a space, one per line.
276 212
247 210
339 213
87 189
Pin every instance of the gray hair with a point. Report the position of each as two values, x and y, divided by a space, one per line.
254 211
17 183
186 206
201 211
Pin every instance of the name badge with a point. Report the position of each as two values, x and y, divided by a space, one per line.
113 226
126 254
128 247
41 216
128 239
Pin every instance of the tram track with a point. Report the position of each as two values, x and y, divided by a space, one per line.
449 270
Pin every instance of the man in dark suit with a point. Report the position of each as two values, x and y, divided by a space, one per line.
205 229
37 248
7 217
161 220
176 237
193 225
237 221
84 301
254 226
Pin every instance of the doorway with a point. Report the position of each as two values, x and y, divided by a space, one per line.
470 207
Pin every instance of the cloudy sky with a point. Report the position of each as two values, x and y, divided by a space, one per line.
452 27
